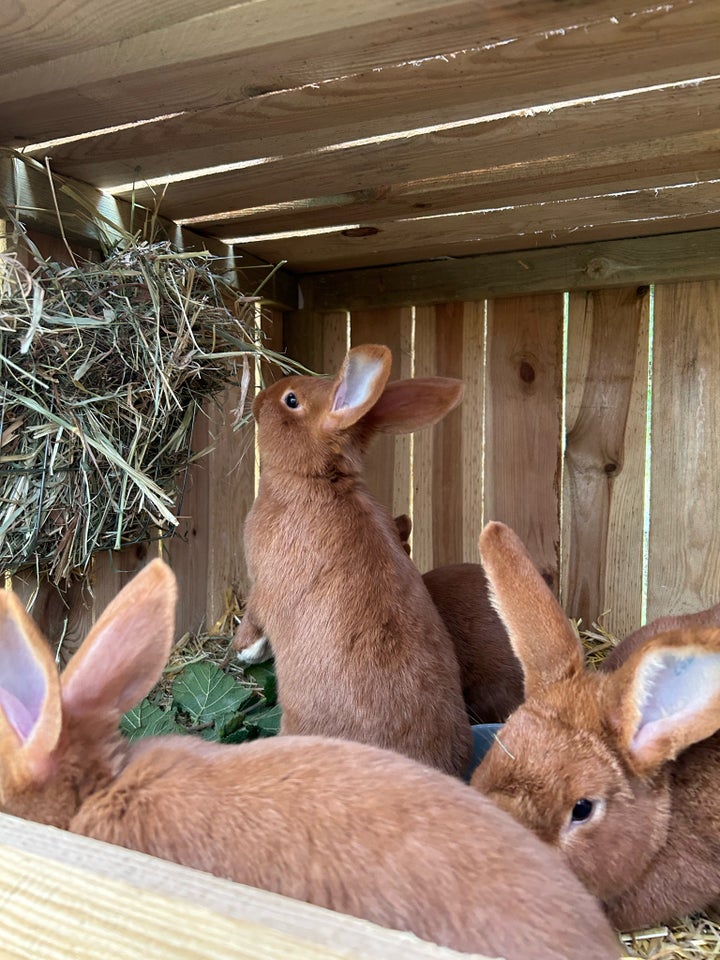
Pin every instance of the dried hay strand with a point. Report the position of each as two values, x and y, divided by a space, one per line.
696 937
104 367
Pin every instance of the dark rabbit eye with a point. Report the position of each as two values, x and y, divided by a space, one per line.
291 400
582 810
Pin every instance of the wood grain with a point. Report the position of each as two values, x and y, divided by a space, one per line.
67 897
611 52
523 423
447 463
549 222
224 56
317 340
584 266
572 143
604 470
684 545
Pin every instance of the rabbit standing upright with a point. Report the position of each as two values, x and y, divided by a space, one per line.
360 650
619 769
339 824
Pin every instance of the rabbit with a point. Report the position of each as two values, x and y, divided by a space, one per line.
619 770
620 653
344 825
360 650
490 674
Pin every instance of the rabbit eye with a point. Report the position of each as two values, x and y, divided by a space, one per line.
290 400
582 810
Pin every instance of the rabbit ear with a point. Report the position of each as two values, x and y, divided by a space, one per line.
539 631
666 696
408 405
122 657
359 383
30 713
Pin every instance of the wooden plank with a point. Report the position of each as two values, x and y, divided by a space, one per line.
612 263
447 460
387 464
523 422
317 340
187 551
609 50
34 32
550 222
222 56
602 141
88 215
684 544
67 897
604 471
671 160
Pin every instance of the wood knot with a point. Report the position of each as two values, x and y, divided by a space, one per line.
527 372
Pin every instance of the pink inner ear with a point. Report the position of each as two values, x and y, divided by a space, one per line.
18 715
22 681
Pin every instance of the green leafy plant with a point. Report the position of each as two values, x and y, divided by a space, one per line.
206 701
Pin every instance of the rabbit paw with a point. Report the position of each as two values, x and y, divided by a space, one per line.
256 653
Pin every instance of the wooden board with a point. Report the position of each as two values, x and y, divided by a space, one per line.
604 468
317 340
606 49
581 266
67 897
447 461
523 423
684 545
561 150
220 56
546 223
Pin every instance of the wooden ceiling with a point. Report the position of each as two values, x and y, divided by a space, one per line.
336 135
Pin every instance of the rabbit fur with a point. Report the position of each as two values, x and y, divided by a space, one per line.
618 769
490 673
360 650
340 824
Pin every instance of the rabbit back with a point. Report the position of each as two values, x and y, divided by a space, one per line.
358 830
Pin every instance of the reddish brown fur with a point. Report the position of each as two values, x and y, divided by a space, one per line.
360 650
339 824
703 618
653 853
490 673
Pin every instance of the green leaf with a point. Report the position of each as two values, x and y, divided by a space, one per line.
266 722
148 720
207 694
240 735
264 675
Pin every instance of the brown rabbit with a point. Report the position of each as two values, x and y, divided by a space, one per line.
490 673
360 650
340 824
619 770
703 618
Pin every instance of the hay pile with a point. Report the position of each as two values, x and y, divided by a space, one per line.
696 937
103 368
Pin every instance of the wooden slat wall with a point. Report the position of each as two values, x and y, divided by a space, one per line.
580 502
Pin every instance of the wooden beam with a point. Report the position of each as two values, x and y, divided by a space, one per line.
603 50
223 55
73 898
550 222
584 266
88 216
622 133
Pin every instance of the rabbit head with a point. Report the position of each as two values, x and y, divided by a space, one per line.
317 426
59 738
586 761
